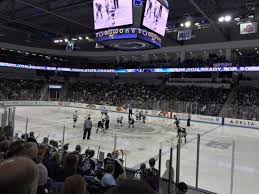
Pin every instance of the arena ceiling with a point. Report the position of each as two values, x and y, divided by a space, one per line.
38 22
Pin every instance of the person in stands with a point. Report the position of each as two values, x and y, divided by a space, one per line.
75 185
18 175
152 176
131 187
182 188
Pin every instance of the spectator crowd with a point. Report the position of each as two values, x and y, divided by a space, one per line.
29 167
188 99
201 100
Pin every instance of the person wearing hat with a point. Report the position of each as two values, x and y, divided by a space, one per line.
182 188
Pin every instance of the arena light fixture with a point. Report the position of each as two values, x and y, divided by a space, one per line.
87 38
3 49
188 24
221 19
19 52
182 25
33 54
237 19
27 53
56 41
66 40
227 18
61 40
80 38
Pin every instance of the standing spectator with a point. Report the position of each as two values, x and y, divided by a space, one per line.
153 175
131 187
31 137
108 179
87 128
53 166
75 185
18 176
69 168
77 152
141 174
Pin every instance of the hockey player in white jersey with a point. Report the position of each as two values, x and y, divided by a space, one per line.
75 117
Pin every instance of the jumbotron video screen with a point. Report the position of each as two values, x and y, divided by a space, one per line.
155 17
112 13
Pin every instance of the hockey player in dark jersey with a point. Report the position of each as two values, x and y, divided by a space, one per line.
100 125
181 132
144 118
130 110
149 9
98 7
107 121
131 122
189 120
119 121
177 121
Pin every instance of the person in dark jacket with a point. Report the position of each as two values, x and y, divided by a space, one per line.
31 138
152 177
87 128
69 168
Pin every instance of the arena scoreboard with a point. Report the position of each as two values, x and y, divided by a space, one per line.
130 24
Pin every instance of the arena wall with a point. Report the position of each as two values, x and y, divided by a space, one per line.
157 116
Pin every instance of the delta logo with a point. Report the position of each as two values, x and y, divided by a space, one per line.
242 123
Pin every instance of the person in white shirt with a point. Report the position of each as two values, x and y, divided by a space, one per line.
75 117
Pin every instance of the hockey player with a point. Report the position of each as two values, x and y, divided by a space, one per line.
138 116
149 9
119 121
144 118
131 122
177 121
182 133
156 14
130 110
189 120
75 117
98 7
107 121
100 125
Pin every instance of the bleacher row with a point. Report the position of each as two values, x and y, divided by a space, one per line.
192 99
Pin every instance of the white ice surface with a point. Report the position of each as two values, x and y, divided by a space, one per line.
143 142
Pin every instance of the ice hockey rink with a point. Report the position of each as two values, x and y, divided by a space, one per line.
143 142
